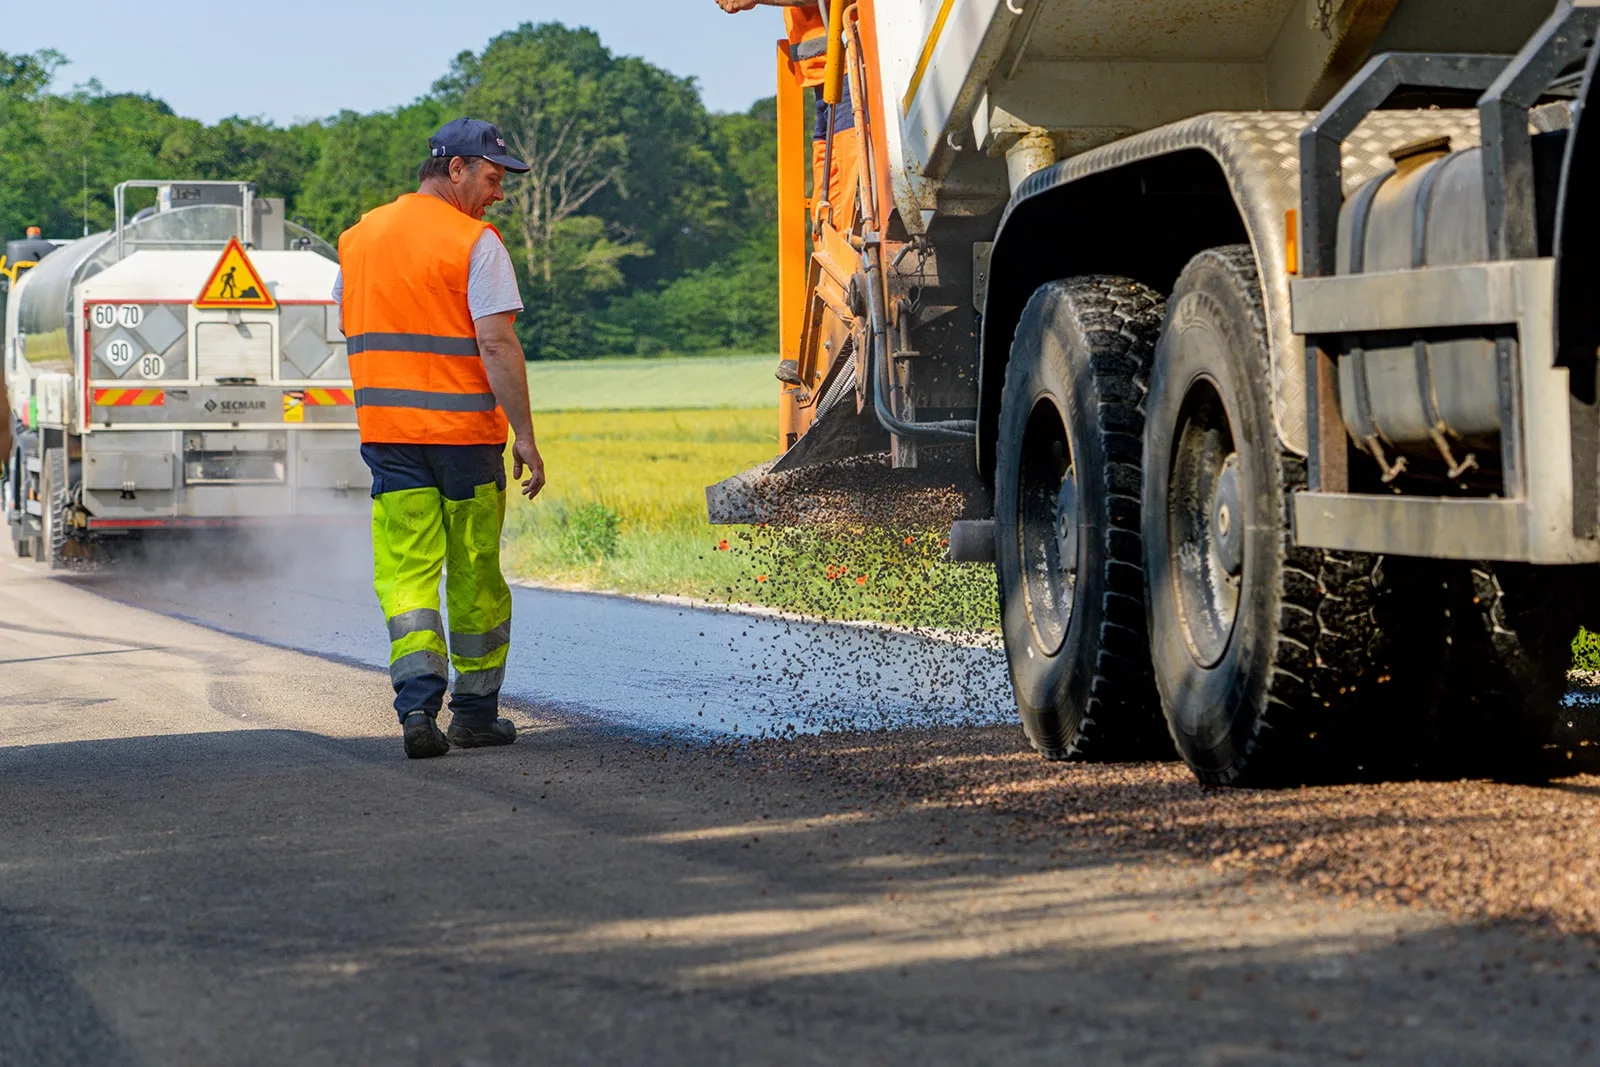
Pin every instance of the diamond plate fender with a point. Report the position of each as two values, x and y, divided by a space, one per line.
1259 155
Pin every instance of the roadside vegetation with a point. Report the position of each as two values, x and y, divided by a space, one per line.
625 507
647 225
706 382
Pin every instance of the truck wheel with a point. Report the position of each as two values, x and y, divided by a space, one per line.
16 474
53 492
1511 649
1257 644
1067 554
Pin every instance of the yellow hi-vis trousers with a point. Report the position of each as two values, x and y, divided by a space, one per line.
419 531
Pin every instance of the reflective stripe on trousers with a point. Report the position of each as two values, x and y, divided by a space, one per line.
416 534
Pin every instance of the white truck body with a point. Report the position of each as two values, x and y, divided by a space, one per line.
970 80
170 415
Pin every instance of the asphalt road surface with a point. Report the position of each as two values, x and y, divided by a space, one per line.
213 853
638 666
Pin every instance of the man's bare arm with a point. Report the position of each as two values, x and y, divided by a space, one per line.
503 361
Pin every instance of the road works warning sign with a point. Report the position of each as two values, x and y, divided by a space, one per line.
234 283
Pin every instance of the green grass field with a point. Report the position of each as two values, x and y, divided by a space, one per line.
654 384
624 508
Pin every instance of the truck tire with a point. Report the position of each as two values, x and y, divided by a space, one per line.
1067 476
1510 651
1260 648
53 491
16 493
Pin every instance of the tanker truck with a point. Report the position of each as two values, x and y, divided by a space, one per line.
183 370
1253 344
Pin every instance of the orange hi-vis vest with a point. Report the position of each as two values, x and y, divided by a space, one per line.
408 329
808 43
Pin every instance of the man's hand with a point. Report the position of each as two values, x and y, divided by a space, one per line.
733 7
501 353
524 453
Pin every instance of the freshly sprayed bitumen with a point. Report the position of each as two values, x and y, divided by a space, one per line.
658 668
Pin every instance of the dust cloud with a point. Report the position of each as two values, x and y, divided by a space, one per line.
190 559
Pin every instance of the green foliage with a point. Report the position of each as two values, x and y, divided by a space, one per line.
590 532
672 251
364 161
1586 651
729 305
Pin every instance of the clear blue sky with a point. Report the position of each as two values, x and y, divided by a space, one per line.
291 59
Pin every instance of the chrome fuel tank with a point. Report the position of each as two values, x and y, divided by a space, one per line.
1411 392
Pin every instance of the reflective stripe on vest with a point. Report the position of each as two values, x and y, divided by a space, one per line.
808 43
422 400
817 46
412 343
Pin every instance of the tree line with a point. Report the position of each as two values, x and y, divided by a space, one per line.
646 225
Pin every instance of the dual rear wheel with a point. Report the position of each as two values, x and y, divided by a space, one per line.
1265 662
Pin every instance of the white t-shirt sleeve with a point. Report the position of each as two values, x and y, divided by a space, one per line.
491 280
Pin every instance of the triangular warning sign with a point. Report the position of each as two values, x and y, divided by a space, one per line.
234 282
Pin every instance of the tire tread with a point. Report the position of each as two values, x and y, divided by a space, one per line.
1120 319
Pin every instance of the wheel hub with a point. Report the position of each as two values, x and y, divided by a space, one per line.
1206 495
1047 526
1227 518
1067 522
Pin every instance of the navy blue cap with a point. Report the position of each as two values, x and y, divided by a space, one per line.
474 137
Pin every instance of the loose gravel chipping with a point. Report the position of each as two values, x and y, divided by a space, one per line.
1476 850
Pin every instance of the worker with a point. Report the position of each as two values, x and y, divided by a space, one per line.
805 22
428 296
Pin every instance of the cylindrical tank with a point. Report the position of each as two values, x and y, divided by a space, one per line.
43 304
44 295
1415 393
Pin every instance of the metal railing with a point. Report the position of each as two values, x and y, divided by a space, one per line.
247 196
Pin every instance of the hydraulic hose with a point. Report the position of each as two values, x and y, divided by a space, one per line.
882 404
871 265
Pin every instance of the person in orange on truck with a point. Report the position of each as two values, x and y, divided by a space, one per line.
804 22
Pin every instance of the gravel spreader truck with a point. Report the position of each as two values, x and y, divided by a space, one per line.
182 370
1265 334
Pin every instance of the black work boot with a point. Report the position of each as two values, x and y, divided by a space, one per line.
482 734
788 372
423 737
